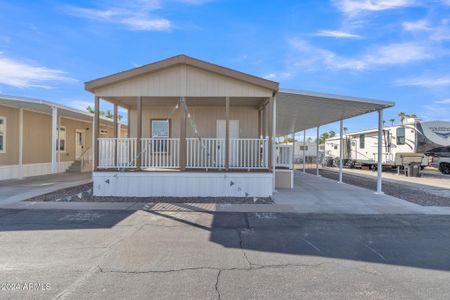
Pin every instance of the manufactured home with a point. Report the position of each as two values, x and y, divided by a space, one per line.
39 137
199 129
410 142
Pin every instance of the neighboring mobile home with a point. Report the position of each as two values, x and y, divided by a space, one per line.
199 129
29 146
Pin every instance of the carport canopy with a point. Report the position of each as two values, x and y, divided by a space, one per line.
300 110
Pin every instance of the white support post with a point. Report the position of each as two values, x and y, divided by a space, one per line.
380 153
54 136
293 151
20 143
317 151
341 149
274 134
93 144
304 151
58 143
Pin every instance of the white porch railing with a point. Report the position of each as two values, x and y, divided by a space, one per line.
249 153
160 153
284 156
205 153
208 153
126 152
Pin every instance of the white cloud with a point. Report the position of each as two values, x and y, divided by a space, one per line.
134 15
80 104
445 101
435 112
420 25
278 76
355 7
338 34
22 75
425 81
393 54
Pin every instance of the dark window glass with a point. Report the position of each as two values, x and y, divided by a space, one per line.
401 140
362 141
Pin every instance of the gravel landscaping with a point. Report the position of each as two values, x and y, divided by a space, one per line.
83 193
398 190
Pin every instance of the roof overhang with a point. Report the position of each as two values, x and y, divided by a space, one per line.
43 106
301 110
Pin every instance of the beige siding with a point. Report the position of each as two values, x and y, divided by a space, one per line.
71 127
183 81
11 155
37 136
204 117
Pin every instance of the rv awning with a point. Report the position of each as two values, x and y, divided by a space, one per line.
299 110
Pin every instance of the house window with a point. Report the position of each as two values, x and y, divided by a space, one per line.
62 139
104 131
401 140
160 132
303 148
2 134
362 141
160 128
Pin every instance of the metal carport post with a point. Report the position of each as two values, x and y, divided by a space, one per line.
380 153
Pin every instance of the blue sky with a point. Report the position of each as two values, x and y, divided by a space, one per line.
385 49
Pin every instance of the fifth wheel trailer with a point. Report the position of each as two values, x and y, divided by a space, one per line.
412 141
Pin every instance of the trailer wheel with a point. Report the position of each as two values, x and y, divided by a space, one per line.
445 168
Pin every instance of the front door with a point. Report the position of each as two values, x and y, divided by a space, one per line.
79 143
234 134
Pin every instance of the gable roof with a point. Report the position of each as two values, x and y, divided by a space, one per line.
176 60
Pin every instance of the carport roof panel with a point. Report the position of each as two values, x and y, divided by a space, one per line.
300 110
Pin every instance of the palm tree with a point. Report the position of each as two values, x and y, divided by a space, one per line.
414 116
402 116
90 109
392 121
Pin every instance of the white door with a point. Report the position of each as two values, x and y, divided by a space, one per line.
79 143
234 134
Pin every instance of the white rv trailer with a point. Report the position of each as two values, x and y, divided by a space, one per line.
410 142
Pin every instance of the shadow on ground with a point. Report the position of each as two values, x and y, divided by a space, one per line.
421 241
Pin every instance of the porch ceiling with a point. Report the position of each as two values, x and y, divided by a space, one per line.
300 110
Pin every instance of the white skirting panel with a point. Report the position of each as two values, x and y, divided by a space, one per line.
182 184
13 171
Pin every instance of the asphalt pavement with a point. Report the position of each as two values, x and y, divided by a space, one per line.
88 254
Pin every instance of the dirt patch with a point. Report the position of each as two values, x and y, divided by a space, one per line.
83 193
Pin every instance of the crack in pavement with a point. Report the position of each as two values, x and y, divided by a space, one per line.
216 286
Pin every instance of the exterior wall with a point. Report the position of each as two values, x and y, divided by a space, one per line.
181 184
37 136
11 155
71 127
205 118
182 80
284 179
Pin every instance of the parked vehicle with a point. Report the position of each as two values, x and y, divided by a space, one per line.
412 141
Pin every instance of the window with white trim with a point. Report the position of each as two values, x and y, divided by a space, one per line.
62 139
2 134
160 132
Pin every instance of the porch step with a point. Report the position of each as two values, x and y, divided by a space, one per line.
75 167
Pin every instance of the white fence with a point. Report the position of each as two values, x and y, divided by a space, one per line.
208 153
249 153
126 152
284 156
160 153
205 153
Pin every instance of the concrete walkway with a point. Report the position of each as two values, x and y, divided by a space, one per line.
14 191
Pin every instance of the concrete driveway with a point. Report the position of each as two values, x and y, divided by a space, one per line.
312 194
182 255
12 191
